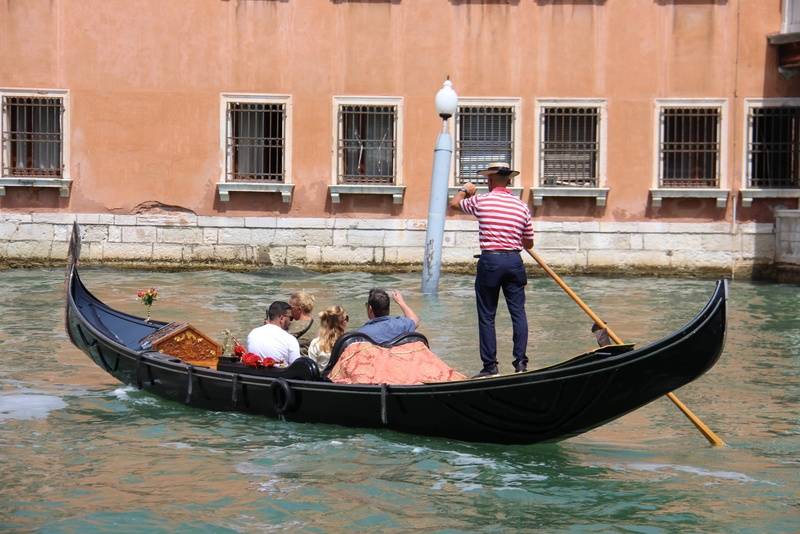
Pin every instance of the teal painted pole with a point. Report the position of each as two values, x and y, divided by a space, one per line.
437 208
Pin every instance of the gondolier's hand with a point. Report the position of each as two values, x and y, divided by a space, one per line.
465 191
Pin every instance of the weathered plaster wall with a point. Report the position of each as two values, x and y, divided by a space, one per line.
145 80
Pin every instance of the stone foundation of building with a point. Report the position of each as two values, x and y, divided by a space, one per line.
787 249
185 239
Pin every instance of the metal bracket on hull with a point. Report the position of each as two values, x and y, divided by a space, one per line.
384 398
235 390
138 373
190 378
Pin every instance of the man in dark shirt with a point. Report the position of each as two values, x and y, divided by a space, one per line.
381 327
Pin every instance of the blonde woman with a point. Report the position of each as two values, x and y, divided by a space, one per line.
332 324
302 304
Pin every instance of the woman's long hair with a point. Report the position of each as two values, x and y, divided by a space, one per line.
331 326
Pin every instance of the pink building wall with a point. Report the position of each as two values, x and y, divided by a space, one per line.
145 79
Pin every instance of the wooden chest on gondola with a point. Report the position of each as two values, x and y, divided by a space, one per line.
186 342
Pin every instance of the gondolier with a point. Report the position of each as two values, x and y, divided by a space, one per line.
504 229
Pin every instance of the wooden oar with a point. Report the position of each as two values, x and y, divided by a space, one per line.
707 432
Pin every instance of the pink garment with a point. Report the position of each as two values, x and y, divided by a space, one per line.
412 363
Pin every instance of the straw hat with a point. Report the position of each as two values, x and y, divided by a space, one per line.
499 167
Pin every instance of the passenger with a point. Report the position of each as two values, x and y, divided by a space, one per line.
302 304
273 340
381 327
332 324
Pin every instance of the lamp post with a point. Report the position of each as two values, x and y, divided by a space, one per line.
446 105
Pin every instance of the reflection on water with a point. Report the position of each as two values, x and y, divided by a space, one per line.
81 452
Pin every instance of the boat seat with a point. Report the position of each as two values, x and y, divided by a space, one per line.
302 368
357 337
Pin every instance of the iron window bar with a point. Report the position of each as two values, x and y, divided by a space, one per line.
367 144
570 147
774 147
485 135
32 136
255 142
690 147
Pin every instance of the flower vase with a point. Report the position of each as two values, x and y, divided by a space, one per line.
147 307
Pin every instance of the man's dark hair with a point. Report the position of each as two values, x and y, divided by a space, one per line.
378 300
276 309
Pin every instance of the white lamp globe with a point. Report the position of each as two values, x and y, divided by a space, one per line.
446 100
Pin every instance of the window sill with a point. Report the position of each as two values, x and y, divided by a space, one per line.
226 188
598 193
63 184
783 38
451 191
749 194
396 191
792 214
720 195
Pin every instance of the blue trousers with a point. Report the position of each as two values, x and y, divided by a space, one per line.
496 272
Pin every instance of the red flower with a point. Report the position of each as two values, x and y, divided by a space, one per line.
251 359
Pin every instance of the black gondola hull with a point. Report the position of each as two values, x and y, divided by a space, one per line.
543 405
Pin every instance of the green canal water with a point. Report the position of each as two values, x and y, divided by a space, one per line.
80 452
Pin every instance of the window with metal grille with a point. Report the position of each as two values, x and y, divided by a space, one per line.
32 136
367 144
485 135
570 148
689 147
774 147
255 142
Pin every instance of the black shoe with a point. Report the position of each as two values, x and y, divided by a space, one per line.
490 371
521 368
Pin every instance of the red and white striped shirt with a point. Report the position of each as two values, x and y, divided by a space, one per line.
503 219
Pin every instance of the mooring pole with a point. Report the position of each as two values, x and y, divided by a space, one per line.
446 105
432 265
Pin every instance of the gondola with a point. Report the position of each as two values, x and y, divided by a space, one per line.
548 404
